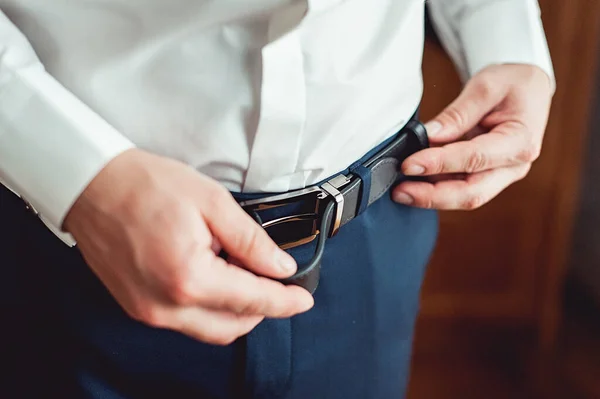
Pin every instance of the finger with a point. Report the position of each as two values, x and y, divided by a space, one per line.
479 97
228 287
213 326
244 239
473 192
488 151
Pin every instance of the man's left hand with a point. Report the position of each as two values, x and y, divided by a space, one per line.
484 141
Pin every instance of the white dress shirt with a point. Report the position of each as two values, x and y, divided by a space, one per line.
262 95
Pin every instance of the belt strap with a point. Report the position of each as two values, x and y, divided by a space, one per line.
342 195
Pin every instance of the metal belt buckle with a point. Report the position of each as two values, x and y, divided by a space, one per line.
306 218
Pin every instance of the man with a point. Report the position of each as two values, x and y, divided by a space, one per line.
135 128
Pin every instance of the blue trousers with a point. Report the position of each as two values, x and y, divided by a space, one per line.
64 336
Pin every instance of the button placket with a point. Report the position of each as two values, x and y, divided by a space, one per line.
274 152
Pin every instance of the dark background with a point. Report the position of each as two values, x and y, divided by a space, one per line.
510 302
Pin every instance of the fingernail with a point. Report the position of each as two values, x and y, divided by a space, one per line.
414 170
286 262
403 198
433 128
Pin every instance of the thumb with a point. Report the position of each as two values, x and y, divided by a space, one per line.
247 242
479 97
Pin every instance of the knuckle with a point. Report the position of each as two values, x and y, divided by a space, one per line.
523 172
426 203
529 153
217 198
475 162
455 115
483 89
182 291
437 165
248 240
252 307
249 303
179 275
474 202
221 193
222 339
149 315
246 324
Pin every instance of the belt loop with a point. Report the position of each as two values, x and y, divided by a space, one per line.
365 176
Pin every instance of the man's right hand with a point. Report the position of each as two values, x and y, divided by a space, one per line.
151 229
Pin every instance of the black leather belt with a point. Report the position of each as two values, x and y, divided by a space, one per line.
317 213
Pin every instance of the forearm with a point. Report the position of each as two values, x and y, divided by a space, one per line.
51 144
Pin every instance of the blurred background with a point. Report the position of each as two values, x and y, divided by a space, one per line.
511 302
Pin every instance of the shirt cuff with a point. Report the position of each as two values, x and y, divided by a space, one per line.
505 32
51 144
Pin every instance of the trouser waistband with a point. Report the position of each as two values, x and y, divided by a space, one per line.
318 212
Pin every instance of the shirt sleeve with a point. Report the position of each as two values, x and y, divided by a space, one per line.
480 33
51 144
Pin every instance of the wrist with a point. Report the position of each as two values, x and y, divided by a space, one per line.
536 73
106 190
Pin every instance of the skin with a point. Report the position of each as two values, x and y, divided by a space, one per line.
150 227
484 141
